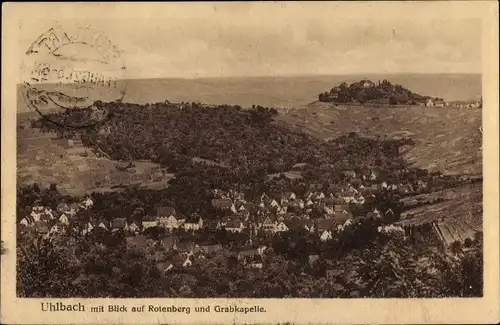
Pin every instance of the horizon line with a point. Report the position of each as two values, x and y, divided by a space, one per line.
307 75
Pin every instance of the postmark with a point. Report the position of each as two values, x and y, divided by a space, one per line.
72 69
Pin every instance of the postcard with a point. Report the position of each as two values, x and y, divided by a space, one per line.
250 163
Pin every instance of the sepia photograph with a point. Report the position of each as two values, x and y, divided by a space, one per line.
228 152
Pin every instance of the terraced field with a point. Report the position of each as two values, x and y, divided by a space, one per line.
459 217
42 159
448 139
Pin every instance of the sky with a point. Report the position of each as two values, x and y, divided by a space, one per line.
255 39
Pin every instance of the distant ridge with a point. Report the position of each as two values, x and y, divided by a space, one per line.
282 92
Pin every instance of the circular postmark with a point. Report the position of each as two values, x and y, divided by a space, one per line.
72 70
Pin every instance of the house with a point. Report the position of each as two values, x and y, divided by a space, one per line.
165 212
308 225
372 215
325 224
25 222
88 203
193 224
62 207
35 216
439 103
328 210
349 173
234 225
350 199
170 222
429 102
149 221
48 213
223 222
248 256
283 210
63 219
280 227
133 227
118 224
242 209
55 229
87 228
187 262
392 187
222 204
320 196
269 224
389 213
367 83
102 226
326 235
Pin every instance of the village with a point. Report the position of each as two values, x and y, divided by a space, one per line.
243 230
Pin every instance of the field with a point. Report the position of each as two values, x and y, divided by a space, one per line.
43 159
458 217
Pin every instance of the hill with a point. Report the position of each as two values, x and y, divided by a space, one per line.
367 91
447 140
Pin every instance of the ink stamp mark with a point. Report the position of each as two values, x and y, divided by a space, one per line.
73 69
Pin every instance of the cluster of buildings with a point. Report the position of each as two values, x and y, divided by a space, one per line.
316 213
45 221
456 104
